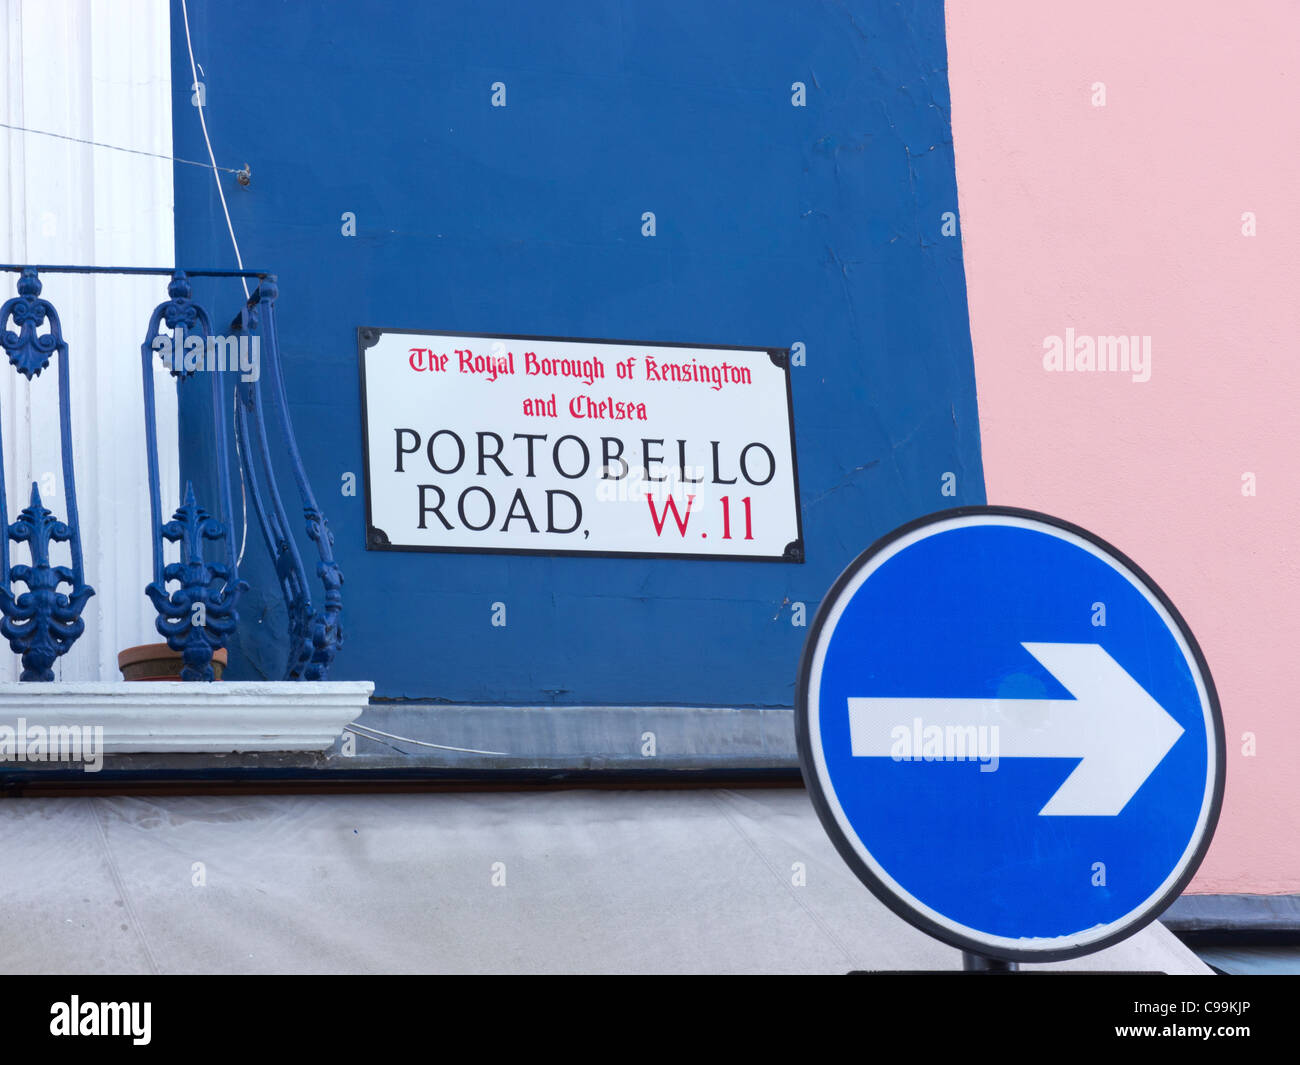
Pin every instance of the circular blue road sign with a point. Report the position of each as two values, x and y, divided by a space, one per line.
1010 734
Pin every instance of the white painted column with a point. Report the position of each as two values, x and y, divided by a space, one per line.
99 72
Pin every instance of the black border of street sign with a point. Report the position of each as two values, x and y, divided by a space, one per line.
377 539
881 890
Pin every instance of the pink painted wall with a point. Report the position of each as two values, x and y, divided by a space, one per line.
1127 219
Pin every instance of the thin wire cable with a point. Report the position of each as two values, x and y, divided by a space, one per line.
116 147
203 122
243 494
360 730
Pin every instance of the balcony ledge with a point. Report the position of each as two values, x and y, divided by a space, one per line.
179 717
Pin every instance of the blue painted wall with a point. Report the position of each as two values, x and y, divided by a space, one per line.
776 224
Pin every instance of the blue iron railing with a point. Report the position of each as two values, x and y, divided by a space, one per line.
314 636
43 622
196 599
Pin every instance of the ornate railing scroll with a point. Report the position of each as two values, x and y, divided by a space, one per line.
314 635
43 622
198 617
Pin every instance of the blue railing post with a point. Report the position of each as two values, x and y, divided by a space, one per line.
41 623
198 617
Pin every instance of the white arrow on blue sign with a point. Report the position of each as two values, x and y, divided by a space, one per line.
1010 734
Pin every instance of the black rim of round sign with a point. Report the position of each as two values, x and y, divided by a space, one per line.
882 891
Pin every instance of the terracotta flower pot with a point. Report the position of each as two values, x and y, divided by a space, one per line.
157 661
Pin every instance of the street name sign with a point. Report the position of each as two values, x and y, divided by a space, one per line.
1010 734
551 445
